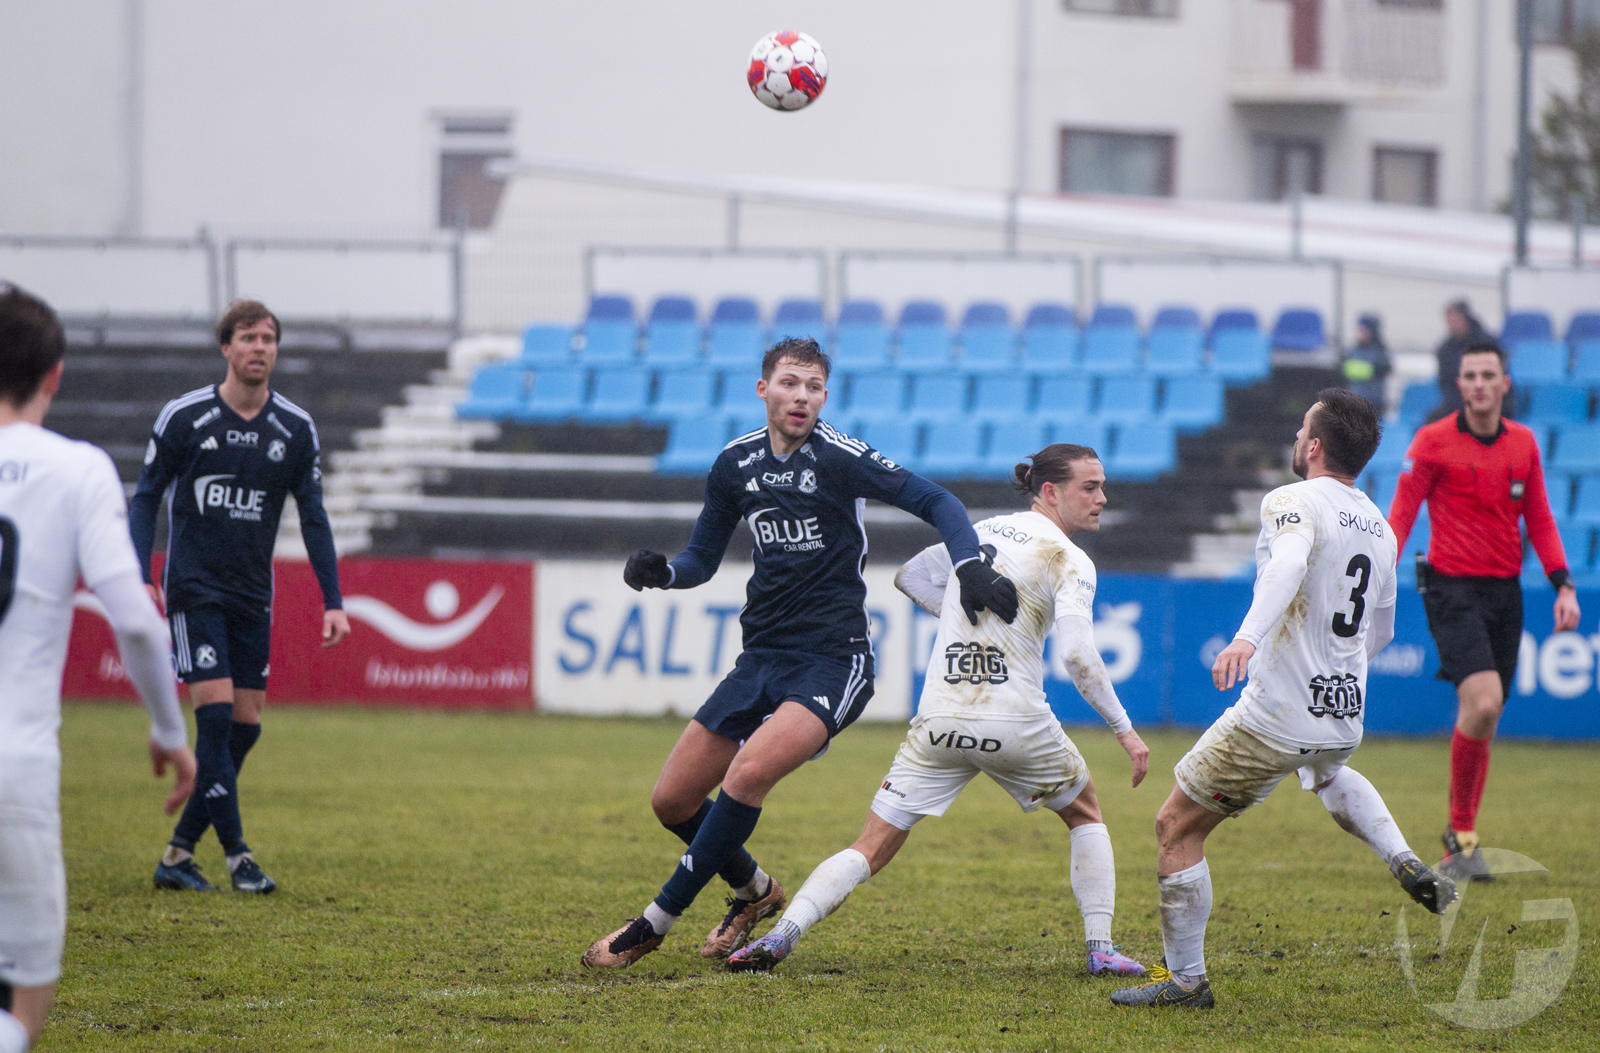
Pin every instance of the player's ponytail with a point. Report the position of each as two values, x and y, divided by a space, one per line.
1053 464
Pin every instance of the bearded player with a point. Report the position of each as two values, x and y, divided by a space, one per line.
1324 605
983 708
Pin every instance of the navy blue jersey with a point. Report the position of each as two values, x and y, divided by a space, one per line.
807 513
229 477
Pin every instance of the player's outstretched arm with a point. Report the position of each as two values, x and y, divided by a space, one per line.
713 529
1075 638
924 577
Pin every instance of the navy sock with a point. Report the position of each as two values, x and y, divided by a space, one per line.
196 818
741 866
241 737
722 832
216 782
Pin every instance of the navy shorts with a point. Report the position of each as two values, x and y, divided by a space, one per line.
835 689
215 643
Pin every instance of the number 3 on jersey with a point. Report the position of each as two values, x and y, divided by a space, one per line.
8 565
1360 568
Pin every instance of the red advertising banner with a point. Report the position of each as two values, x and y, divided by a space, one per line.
423 632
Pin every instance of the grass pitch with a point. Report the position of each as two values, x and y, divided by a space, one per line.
439 875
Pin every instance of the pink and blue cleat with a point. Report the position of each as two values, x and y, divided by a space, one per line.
1113 963
760 955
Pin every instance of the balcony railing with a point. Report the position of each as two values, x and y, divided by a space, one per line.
1334 50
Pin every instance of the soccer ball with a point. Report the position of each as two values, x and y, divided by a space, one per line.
787 70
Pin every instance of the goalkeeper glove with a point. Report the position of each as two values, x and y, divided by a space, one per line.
984 588
646 570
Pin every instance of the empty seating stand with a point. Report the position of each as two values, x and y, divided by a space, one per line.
861 339
924 336
547 345
495 392
1298 329
672 333
988 343
802 318
734 336
609 333
1111 341
1050 339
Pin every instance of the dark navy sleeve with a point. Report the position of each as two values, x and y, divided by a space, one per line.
162 464
712 531
876 477
316 532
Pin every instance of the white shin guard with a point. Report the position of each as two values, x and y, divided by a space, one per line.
1357 807
13 1036
827 888
1185 907
1094 879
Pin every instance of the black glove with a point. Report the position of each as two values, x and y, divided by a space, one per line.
985 589
648 570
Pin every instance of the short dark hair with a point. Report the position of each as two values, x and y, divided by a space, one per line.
242 314
31 343
1486 347
1053 464
801 350
1348 426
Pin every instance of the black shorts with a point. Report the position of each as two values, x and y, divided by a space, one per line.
835 689
1476 624
213 643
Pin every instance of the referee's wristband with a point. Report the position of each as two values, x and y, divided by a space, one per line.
1560 578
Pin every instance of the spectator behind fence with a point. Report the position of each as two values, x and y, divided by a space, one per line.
1465 330
1366 366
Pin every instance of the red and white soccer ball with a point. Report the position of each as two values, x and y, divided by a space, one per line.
787 70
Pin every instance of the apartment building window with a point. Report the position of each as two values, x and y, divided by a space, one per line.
1280 167
468 191
1137 8
1563 21
1099 162
1403 176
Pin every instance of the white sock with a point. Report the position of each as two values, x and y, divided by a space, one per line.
827 888
172 857
13 1036
1185 906
659 919
759 885
234 861
1358 809
1094 879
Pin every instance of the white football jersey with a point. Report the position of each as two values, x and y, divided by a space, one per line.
62 516
994 669
1308 678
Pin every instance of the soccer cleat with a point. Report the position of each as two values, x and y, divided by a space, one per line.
1164 991
624 947
247 877
761 955
1113 963
1432 890
1462 860
734 931
184 876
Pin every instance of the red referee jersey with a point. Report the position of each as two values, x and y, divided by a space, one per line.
1476 490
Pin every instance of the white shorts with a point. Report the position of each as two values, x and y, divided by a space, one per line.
1032 759
33 896
1230 768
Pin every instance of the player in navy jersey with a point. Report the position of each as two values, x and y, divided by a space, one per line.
230 453
806 670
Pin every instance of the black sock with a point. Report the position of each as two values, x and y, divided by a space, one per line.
241 737
216 782
741 866
723 832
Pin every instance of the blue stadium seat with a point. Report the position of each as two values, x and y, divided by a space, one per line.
1584 325
938 396
1143 452
1110 350
877 395
1001 396
1193 403
1577 539
1113 314
1299 329
1538 361
1391 451
739 389
1417 401
693 444
1586 508
1013 441
747 420
925 337
1127 400
610 336
610 308
547 345
1557 404
1233 318
1049 339
988 343
1066 397
1381 487
1050 314
1174 351
953 447
1239 354
672 335
1416 541
1176 316
1586 363
894 437
495 392
557 394
861 340
1095 434
1577 449
986 312
734 335
1526 325
800 318
688 392
621 393
736 309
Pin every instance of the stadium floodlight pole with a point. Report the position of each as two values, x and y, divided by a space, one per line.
1524 132
1019 160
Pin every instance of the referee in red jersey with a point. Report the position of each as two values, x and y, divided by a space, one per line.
1479 473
